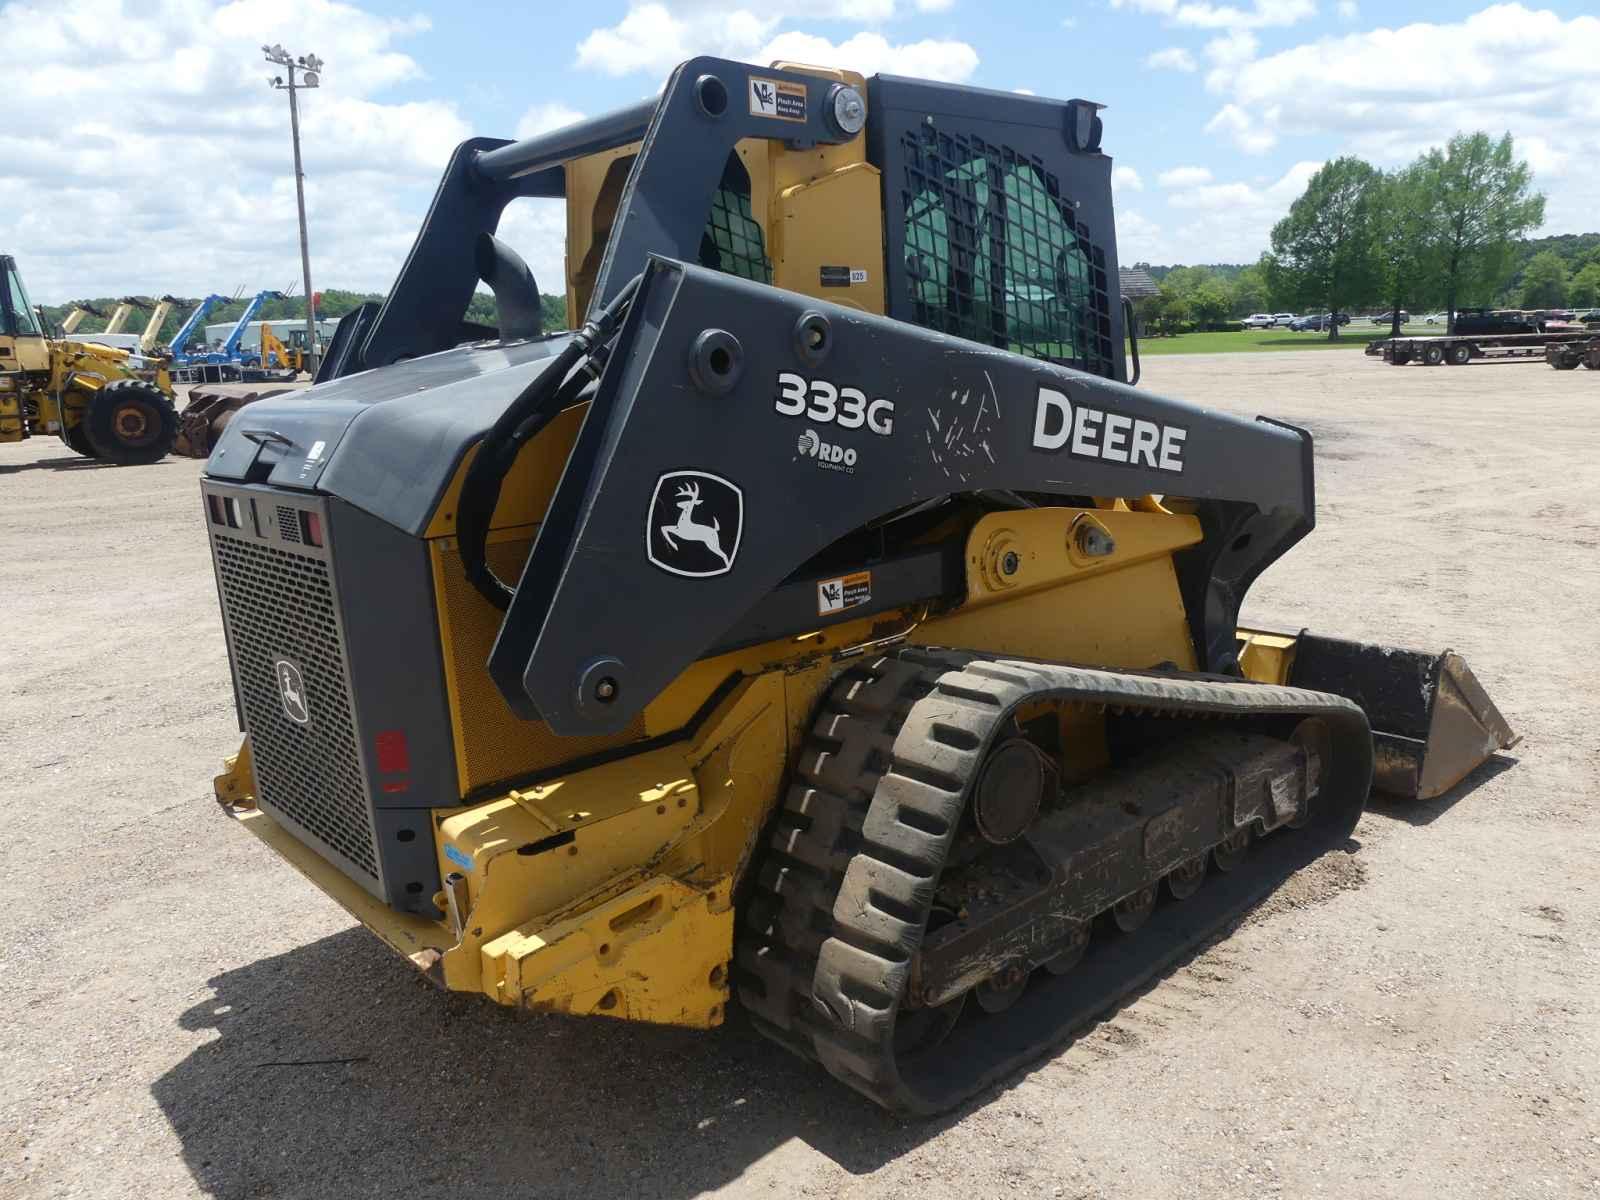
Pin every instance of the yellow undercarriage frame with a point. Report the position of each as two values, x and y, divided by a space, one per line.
611 890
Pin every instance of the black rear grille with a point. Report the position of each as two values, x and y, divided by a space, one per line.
289 523
279 607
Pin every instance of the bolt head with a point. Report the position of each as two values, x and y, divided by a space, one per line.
849 110
606 690
1010 563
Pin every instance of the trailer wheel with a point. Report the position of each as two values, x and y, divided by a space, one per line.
1459 355
1433 355
1564 364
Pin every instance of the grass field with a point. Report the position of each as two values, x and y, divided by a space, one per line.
1354 336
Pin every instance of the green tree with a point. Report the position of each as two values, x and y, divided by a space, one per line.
1249 292
1209 303
1325 249
1486 202
1584 289
1405 219
1544 282
1165 313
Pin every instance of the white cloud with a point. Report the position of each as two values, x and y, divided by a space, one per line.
1349 10
656 36
542 118
1227 54
1139 239
1247 133
1390 93
166 168
1126 179
1200 15
870 53
1069 22
1233 49
1173 58
1184 177
1215 221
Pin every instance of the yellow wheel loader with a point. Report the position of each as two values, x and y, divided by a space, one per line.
826 627
86 394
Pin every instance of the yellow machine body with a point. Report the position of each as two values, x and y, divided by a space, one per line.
632 916
275 354
627 909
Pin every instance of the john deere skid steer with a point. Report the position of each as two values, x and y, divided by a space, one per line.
826 625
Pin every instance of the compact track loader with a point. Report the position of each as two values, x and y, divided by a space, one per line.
88 395
827 624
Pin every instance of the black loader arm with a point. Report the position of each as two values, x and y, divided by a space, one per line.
739 429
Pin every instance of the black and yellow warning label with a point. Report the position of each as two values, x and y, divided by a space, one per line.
847 591
777 98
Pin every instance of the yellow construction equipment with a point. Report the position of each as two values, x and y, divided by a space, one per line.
86 394
151 337
276 355
76 316
826 626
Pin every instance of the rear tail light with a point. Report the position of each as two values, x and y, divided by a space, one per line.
311 528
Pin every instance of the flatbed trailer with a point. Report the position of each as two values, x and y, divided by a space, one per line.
1569 355
1461 348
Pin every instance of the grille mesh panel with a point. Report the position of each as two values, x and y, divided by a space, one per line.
289 523
280 605
995 253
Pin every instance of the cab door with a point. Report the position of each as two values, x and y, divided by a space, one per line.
22 342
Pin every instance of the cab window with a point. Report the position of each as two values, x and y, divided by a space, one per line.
20 314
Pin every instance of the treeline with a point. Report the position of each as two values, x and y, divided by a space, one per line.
1577 253
1444 231
336 302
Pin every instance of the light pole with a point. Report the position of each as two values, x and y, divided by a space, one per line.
311 67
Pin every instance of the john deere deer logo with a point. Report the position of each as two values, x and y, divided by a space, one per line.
695 523
292 689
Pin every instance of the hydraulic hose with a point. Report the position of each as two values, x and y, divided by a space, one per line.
555 389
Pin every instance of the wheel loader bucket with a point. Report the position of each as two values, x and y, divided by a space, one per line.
205 417
1432 722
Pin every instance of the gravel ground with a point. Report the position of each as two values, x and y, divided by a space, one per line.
1417 1017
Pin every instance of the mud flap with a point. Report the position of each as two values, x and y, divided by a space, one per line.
1432 722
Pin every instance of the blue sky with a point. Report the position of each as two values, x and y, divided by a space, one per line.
1217 112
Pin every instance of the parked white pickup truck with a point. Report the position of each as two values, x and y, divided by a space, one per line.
1259 321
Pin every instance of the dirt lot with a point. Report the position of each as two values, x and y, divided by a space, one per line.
1417 1017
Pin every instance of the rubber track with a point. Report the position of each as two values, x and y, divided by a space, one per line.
845 886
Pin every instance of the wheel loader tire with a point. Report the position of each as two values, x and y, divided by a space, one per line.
1433 355
131 423
1459 356
77 439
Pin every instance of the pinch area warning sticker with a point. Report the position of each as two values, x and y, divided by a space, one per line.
836 595
778 98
